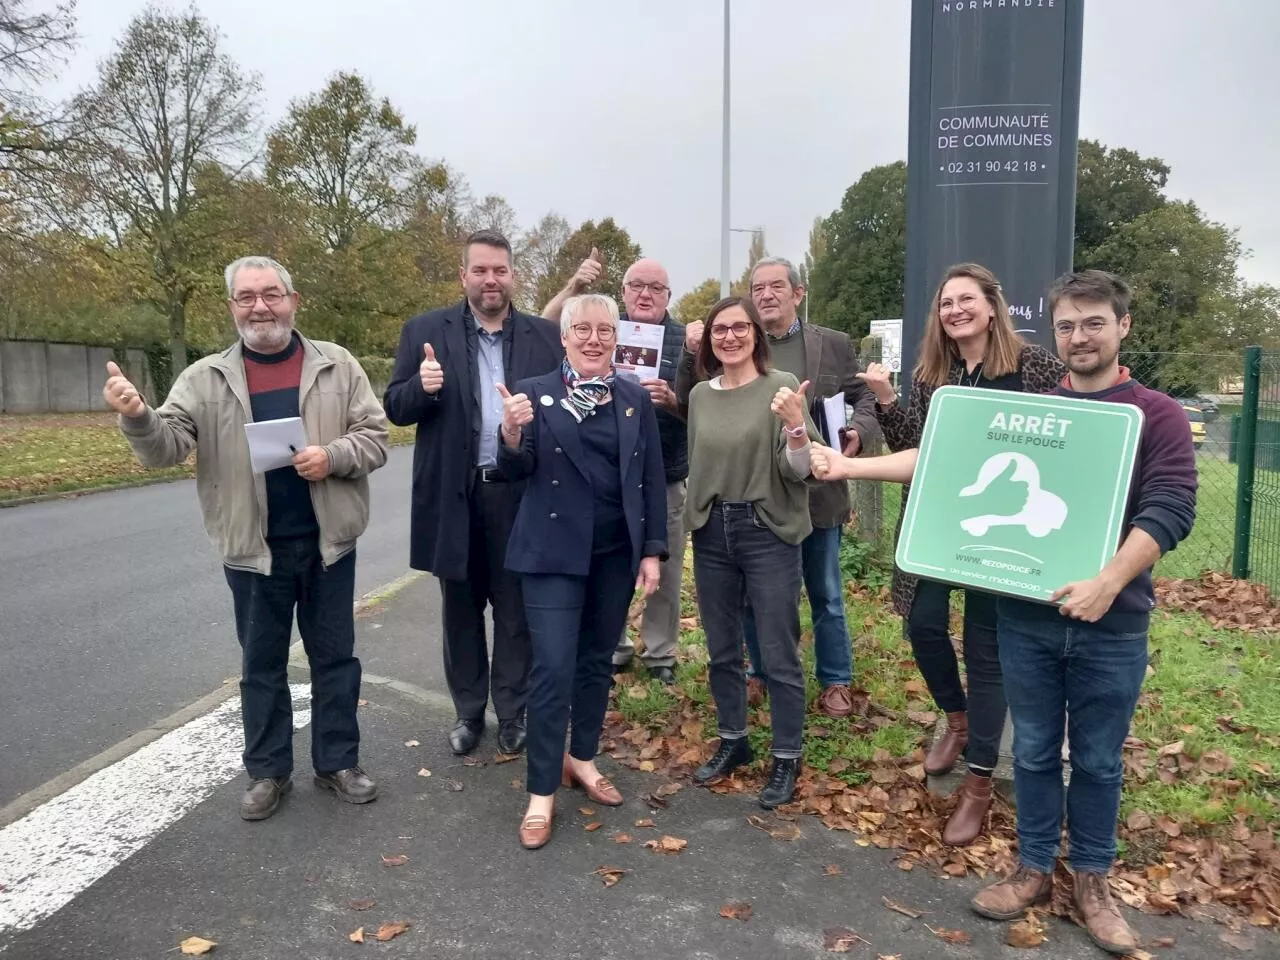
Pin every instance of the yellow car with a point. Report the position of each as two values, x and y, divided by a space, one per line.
1196 418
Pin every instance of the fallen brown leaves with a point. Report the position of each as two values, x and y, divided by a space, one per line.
398 860
667 845
196 946
609 875
841 939
736 911
362 904
950 936
389 931
1027 932
1223 601
1172 867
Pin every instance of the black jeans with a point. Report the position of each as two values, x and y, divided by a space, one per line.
574 623
264 608
929 630
735 556
467 665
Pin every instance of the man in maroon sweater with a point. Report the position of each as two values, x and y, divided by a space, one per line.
1081 663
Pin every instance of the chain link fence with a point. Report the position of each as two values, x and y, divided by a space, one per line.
1209 386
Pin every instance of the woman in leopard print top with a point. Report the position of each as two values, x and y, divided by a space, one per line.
969 341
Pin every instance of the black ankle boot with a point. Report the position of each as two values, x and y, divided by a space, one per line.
781 787
731 755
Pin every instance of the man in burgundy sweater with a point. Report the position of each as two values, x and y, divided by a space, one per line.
1081 663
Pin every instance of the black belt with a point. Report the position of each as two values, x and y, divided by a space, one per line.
489 475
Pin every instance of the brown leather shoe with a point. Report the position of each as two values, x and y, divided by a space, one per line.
1009 898
1107 928
836 701
970 815
602 791
943 754
757 691
535 831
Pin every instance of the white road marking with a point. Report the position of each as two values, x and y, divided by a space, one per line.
62 847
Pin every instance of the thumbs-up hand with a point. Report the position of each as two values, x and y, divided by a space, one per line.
431 373
517 410
788 405
876 376
588 273
121 395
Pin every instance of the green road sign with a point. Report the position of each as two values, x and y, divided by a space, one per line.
1018 493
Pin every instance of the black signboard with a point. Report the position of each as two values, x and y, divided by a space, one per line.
991 163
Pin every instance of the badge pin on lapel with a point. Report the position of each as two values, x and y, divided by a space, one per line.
630 411
546 401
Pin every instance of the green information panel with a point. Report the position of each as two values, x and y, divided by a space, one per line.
1018 493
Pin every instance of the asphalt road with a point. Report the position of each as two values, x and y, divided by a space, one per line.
114 613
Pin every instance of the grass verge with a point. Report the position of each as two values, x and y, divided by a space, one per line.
48 454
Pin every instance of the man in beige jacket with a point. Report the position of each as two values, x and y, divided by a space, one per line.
287 536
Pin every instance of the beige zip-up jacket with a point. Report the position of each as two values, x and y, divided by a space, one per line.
207 409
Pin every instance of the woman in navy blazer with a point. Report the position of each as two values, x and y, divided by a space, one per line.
591 528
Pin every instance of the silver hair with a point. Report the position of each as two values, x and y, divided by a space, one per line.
793 275
575 305
256 263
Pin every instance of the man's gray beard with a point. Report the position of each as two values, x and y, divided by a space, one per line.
263 340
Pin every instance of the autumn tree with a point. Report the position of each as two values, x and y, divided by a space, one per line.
32 44
617 252
347 156
860 277
493 213
537 252
697 303
817 250
378 226
167 104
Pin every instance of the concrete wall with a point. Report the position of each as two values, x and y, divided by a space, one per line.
39 377
26 377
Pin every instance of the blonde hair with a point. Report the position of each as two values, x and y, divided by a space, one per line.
938 352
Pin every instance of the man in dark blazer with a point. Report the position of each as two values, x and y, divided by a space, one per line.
826 360
448 365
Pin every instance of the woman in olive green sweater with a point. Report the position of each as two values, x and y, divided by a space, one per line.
748 509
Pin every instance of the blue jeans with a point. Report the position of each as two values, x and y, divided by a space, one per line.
820 563
574 623
1066 672
264 611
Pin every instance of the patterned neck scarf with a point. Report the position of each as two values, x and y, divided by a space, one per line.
585 393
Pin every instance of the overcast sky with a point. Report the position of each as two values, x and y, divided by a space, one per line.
596 108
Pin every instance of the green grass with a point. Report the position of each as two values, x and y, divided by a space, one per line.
1198 675
64 453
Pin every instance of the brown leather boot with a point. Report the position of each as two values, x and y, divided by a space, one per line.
1101 915
1009 898
942 756
971 813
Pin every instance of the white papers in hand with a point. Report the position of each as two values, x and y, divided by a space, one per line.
270 442
833 415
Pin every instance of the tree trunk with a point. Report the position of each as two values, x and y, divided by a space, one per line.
177 339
